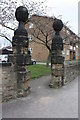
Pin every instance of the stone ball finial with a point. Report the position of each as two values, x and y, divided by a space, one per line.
57 25
21 14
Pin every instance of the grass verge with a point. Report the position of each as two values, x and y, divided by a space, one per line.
38 70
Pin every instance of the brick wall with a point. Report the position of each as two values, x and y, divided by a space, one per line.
39 52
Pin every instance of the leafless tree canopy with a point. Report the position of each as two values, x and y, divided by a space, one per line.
7 13
42 30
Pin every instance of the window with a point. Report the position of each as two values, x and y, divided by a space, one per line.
71 47
31 25
67 42
71 37
67 32
63 41
30 37
30 49
76 38
74 48
77 54
76 45
63 52
67 52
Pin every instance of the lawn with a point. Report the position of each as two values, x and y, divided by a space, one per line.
38 70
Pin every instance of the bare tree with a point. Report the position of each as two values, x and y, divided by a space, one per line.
7 13
42 31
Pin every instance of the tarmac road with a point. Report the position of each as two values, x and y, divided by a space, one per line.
45 102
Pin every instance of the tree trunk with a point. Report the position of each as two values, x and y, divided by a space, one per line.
48 59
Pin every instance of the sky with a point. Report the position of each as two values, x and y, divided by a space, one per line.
66 9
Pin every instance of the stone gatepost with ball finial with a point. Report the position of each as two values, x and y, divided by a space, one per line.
20 52
57 59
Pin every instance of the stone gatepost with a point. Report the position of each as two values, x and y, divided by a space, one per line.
57 60
20 52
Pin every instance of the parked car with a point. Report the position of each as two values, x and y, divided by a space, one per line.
32 62
3 58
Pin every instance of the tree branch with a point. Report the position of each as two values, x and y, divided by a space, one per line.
7 26
38 38
38 42
6 38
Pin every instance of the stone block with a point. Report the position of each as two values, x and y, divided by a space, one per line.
57 59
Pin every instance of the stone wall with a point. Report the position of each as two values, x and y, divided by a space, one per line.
9 85
71 71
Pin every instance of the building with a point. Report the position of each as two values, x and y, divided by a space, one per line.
40 32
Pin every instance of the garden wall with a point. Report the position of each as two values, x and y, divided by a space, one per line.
71 71
9 85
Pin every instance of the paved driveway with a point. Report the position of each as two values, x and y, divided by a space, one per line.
45 102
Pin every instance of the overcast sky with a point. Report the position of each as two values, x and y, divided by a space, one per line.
68 9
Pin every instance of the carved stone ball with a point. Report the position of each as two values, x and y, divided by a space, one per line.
21 14
57 25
